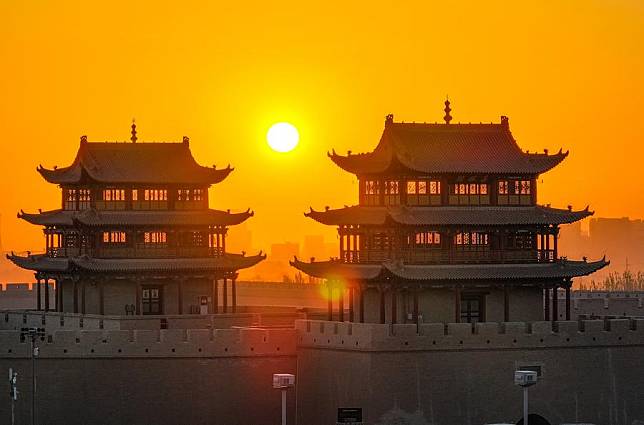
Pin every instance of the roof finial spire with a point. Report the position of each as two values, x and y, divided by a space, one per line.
133 138
447 110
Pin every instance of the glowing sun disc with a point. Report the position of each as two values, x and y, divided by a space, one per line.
282 137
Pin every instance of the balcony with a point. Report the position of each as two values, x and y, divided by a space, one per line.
138 252
439 256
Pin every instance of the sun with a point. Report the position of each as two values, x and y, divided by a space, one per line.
282 137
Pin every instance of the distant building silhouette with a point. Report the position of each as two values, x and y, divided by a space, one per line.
284 251
620 239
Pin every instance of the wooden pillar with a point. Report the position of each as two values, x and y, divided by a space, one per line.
101 296
56 296
555 304
382 305
46 294
457 304
180 295
361 304
59 295
38 295
224 295
548 245
415 313
568 302
215 296
234 290
351 301
546 304
394 306
75 290
83 285
137 308
506 303
329 315
556 250
341 303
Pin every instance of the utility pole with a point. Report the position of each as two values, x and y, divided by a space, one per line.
33 333
13 393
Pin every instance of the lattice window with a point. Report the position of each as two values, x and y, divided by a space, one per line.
114 195
429 239
84 199
114 237
155 238
423 192
70 200
465 239
371 194
371 187
155 195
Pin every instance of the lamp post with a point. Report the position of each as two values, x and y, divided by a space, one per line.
283 381
525 379
13 393
33 333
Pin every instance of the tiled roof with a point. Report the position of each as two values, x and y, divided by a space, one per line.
134 218
228 262
560 269
532 215
448 148
43 263
338 270
40 262
135 163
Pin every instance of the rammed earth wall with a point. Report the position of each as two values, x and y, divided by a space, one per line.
455 374
151 377
432 374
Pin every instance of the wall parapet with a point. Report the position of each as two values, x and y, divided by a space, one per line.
52 321
236 342
466 336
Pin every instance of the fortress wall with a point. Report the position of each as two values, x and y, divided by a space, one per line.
488 335
166 343
618 304
454 374
52 321
142 377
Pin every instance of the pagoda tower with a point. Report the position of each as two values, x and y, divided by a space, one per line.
448 229
135 234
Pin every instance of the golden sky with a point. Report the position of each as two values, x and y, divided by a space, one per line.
568 74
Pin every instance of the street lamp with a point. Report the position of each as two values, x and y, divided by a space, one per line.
33 333
283 381
525 379
13 393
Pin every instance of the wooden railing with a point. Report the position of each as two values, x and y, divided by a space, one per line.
437 256
139 252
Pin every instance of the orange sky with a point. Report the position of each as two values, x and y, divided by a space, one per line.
568 74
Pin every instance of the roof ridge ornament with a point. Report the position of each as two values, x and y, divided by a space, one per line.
389 119
505 121
134 138
447 110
